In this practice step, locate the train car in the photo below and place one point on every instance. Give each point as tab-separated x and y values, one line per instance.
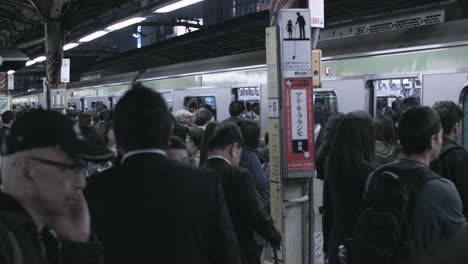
429	62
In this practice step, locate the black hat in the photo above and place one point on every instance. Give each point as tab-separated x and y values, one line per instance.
41	128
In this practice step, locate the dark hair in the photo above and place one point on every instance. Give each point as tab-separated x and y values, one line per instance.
202	117
236	108
192	106
256	110
354	144
384	129
225	134
416	127
196	134
207	107
141	120
204	148
327	138
450	114
8	116
381	104
409	102
250	133
84	120
176	143
331	126
179	130
92	136
248	106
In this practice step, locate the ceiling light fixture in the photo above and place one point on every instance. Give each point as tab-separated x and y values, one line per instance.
70	46
94	35
40	59
30	62
10	71
125	23
177	5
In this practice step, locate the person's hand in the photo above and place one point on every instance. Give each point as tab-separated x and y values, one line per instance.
75	226
275	239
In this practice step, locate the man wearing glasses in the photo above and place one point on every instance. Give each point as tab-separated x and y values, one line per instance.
44	217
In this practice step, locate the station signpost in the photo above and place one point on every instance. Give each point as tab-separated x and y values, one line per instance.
291	128
294	69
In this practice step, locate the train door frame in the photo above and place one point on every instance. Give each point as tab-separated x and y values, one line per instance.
372	93
464	94
352	88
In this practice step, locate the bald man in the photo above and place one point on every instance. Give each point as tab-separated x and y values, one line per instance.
44	217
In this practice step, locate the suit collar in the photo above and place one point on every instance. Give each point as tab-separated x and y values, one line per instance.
142	151
217	162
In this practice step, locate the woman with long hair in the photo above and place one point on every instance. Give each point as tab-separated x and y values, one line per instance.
350	161
328	135
250	160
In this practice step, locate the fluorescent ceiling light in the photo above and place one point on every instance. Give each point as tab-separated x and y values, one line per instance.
10	71
40	59
70	46
94	35
30	62
176	5
125	23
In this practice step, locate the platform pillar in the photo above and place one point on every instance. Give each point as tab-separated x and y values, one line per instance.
291	130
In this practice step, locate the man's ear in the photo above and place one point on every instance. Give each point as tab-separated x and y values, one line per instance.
231	150
457	129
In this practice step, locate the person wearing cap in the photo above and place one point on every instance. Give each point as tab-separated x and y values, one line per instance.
185	117
150	209
43	214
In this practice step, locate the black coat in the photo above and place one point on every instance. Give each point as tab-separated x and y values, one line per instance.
153	210
341	202
247	213
453	165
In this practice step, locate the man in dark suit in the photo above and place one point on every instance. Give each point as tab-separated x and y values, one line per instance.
149	209
247	213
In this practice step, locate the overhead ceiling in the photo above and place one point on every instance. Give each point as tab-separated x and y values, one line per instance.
21	24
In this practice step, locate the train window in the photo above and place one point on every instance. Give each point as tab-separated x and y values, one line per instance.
246	94
390	90
192	103
98	106
325	105
464	99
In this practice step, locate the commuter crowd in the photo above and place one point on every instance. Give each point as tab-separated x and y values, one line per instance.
139	184
136	184
399	192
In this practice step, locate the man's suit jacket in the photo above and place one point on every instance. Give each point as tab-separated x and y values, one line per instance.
153	210
247	213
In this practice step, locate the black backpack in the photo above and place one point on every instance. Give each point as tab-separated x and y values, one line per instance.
384	229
